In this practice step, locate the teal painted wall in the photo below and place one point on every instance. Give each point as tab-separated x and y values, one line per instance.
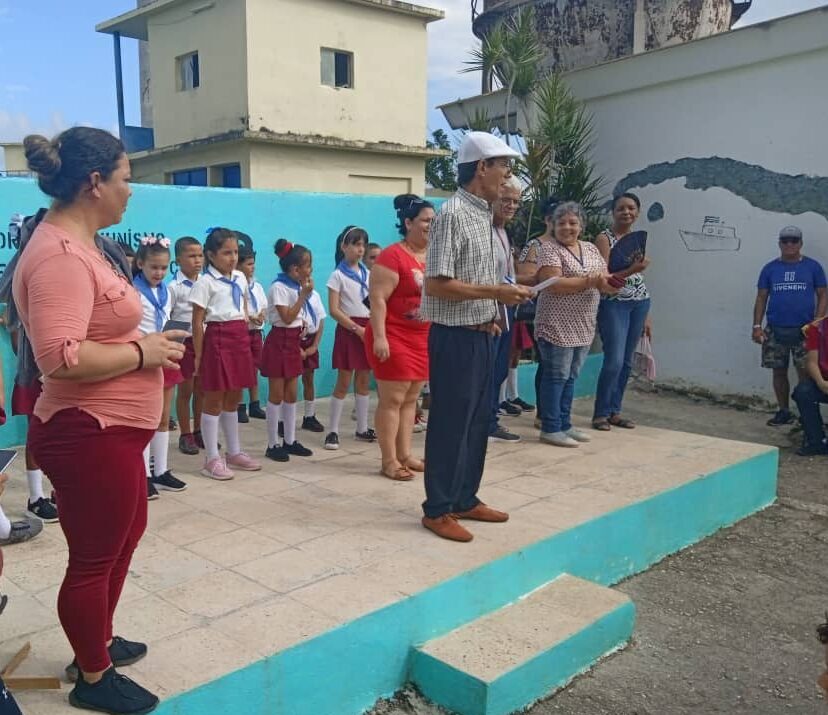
314	220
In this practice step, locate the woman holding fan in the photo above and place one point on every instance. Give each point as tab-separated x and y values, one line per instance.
622	319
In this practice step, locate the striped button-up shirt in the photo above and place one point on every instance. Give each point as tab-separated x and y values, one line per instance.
461	246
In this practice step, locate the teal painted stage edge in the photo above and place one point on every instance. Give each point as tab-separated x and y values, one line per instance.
344	671
313	220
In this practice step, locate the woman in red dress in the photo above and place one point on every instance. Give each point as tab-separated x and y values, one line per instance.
396	340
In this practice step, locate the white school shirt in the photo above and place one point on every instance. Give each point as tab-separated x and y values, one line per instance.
182	309
148	325
216	297
350	294
261	302
280	294
315	302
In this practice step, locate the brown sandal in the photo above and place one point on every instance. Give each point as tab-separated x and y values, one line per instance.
399	474
618	421
601	424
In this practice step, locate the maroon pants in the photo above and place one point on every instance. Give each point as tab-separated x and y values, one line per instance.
101	490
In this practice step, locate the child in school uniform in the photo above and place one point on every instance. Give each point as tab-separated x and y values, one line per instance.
282	355
347	292
257	305
222	353
314	316
151	263
189	255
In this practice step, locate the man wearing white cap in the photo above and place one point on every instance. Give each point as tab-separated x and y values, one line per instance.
462	298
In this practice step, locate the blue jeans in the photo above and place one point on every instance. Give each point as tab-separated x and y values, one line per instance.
808	398
503	350
560	369
620	325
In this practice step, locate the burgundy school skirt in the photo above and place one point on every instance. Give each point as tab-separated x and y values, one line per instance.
281	356
187	362
521	337
349	350
311	362
226	362
23	398
172	377
256	344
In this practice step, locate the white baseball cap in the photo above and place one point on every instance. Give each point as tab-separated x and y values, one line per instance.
477	146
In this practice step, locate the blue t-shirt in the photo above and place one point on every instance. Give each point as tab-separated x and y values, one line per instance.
791	290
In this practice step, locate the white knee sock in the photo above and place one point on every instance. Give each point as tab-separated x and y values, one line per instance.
230	426
289	421
362	412
337	406
146	461
274	416
310	408
502	394
5	525
512	384
35	479
160	449
209	433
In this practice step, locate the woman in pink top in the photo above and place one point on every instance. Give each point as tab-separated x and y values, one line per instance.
101	399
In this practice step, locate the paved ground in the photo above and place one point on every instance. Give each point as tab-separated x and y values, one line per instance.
726	626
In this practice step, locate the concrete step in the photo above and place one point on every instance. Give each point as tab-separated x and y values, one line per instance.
506	660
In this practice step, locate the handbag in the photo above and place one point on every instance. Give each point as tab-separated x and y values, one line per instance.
526	311
644	359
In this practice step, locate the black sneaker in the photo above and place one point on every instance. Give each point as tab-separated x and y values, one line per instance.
507	408
297	449
332	441
812	450
501	434
121	652
113	693
254	409
522	404
277	453
242	412
282	429
367	436
152	492
44	510
22	531
312	424
781	418
169	482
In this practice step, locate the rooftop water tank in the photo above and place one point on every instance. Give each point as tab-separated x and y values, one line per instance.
580	33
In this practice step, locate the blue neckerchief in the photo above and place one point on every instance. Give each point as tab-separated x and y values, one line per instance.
236	288
252	296
361	277
285	279
159	302
187	282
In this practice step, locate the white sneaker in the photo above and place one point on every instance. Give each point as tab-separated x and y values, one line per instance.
558	439
577	435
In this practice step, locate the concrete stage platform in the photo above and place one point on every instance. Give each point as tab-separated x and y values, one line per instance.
311	588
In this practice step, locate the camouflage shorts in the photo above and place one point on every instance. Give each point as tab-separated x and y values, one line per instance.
777	355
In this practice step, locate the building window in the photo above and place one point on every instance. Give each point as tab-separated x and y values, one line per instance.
231	176
190	177
337	68
188	72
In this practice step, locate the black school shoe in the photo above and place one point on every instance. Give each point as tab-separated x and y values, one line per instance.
312	424
297	450
152	492
242	412
169	482
44	510
113	693
277	453
254	409
367	436
122	653
522	405
781	418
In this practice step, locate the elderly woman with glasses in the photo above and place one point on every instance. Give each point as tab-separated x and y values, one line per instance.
565	319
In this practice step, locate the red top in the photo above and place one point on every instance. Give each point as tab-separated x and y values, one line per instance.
66	293
816	338
404	303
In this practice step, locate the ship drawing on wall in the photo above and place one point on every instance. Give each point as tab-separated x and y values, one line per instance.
715	235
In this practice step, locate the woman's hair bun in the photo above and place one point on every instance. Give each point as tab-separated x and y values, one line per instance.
42	156
403	200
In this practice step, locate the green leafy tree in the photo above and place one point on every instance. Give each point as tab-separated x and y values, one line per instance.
441	172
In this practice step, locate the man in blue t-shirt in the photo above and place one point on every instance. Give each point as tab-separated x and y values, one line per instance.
791	293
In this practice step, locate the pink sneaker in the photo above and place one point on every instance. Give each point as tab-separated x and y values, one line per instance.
244	462
216	468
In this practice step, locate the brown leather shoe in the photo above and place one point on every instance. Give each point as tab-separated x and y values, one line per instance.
446	527
484	513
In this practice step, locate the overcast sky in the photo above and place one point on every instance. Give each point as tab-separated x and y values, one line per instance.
56	71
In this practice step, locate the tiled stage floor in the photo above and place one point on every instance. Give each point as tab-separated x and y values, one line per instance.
229	573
